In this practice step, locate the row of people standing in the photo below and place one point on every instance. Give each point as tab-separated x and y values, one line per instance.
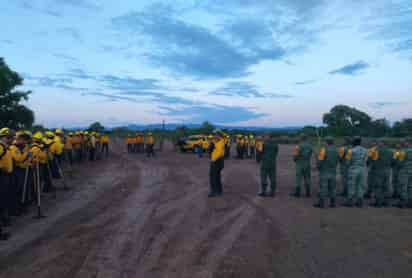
245	146
29	165
141	143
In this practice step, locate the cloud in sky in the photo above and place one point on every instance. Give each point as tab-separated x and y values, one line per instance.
244	89
220	114
206	54
351	69
193	50
384	104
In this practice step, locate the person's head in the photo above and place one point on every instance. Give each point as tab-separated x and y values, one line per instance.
357	141
329	140
7	135
37	137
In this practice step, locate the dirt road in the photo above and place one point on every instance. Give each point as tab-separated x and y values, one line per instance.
131	216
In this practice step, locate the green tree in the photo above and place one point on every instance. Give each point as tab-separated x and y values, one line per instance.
13	114
96	126
206	128
344	120
403	128
380	128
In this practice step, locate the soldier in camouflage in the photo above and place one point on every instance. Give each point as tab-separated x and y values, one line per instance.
327	163
302	157
356	159
405	175
382	158
268	166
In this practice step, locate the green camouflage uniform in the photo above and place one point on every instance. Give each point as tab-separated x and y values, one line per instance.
405	178
268	165
372	172
303	168
356	172
343	165
395	177
327	174
382	174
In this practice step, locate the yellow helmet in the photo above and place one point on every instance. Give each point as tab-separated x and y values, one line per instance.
4	131
19	133
71	133
49	134
85	132
38	136
58	131
28	133
150	133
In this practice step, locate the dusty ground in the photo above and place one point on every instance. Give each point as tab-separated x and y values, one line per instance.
136	217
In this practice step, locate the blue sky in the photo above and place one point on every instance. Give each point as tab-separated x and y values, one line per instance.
233	62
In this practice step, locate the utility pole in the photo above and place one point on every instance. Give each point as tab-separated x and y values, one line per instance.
162	136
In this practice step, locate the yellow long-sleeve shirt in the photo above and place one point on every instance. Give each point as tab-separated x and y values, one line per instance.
20	156
68	144
105	139
218	150
6	160
39	155
149	140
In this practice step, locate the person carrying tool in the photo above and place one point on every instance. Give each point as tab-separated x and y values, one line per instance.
6	170
21	159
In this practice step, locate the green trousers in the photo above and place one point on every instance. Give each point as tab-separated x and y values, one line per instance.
267	172
303	172
381	185
356	182
395	182
344	178
405	181
327	185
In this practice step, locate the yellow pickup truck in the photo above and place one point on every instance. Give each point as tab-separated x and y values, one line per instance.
191	142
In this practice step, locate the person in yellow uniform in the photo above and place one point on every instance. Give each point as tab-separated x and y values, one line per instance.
259	148
149	142
128	143
68	147
105	140
58	138
40	150
216	165
21	159
252	146
6	170
77	146
54	149
91	143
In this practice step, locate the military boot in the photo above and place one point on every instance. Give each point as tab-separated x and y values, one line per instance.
320	204
400	204
332	203
348	203
296	193
409	205
359	203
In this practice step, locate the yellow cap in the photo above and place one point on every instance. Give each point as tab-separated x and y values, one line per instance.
58	131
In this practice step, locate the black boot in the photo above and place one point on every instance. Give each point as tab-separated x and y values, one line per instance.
376	204
348	203
4	236
262	194
368	195
400	204
409	205
332	203
296	194
359	203
320	204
